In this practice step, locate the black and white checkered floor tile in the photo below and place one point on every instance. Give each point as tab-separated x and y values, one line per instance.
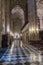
19	55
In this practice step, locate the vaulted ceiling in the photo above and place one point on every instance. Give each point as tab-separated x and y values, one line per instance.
22	3
17	8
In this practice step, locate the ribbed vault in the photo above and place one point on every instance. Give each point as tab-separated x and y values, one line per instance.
18	18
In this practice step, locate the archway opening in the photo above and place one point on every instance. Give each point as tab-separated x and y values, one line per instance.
18	18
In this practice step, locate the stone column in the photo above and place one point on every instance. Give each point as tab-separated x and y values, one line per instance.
41	23
32	18
7	18
11	25
3	17
11	21
0	21
7	13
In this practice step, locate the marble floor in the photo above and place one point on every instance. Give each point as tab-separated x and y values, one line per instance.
18	55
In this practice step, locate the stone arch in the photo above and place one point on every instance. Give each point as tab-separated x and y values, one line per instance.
19	12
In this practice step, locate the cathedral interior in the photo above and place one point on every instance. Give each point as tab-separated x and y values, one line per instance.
21	32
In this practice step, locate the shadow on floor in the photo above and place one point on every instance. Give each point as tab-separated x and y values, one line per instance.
27	63
19	64
1	62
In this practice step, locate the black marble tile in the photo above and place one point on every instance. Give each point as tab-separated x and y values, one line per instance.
17	56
